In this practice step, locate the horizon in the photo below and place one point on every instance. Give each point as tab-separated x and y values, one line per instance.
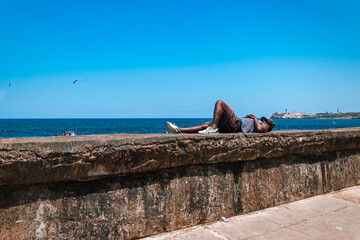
174	60
173	117
170	118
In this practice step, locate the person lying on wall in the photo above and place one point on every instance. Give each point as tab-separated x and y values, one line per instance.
226	121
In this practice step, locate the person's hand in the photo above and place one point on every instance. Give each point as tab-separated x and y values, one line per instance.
250	116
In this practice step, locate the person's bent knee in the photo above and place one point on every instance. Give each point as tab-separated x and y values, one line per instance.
220	102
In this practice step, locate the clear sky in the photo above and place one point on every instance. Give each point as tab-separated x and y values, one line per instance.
176	58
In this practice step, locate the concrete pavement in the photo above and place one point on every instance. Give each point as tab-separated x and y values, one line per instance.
330	216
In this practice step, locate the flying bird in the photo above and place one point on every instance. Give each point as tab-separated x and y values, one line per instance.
9	85
75	81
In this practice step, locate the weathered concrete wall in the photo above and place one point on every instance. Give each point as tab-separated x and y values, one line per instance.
129	186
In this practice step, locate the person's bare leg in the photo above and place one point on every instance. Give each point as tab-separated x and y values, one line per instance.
195	129
218	112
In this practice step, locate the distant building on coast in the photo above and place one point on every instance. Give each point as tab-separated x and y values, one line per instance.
292	114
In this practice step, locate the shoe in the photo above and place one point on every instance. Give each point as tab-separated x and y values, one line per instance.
172	127
209	130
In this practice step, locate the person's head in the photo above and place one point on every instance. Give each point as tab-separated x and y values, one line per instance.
268	122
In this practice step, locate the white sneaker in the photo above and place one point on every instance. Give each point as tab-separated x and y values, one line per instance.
209	130
172	127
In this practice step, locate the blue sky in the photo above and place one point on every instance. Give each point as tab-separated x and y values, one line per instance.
176	58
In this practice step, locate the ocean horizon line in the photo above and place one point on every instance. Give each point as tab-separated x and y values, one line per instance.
148	118
107	118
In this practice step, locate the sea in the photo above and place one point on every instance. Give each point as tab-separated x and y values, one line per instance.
24	128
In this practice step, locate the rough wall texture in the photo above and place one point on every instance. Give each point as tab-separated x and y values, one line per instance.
130	186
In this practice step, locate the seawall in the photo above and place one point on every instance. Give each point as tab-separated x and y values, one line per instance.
131	185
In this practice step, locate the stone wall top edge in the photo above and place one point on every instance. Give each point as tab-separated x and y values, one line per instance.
83	158
124	137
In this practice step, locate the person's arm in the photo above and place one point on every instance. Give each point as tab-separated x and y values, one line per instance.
258	127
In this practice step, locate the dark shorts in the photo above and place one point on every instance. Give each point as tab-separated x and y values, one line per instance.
229	122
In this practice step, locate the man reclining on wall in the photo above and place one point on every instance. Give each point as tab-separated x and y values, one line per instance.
226	121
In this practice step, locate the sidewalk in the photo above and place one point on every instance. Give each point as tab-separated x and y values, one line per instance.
331	216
